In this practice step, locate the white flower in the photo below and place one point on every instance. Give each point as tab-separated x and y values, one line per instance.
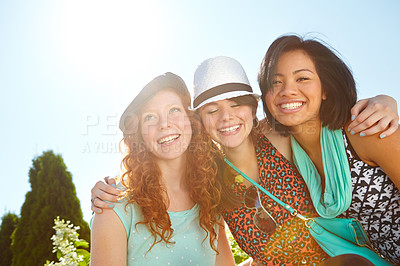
64	241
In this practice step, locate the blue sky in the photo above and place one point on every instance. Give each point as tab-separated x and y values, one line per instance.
69	68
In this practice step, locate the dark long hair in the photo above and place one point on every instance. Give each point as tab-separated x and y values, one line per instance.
337	81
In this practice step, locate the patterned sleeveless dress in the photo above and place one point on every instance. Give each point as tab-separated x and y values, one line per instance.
376	204
291	243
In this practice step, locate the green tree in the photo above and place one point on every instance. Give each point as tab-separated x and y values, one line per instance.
9	222
52	194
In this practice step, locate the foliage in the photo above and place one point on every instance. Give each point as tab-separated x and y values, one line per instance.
9	222
238	254
52	194
66	244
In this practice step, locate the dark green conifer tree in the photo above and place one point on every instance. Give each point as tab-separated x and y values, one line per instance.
52	194
9	222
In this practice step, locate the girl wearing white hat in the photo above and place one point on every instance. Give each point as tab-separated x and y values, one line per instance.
227	105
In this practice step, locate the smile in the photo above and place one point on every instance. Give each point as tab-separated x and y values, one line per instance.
290	106
229	129
168	139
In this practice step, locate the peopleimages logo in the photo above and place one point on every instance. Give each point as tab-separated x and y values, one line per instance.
101	124
100	134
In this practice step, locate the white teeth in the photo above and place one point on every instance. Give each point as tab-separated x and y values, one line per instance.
229	129
291	105
168	139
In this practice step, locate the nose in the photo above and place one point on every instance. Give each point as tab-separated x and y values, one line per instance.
288	88
164	122
226	114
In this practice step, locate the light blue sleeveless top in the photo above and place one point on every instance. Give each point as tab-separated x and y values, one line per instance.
188	237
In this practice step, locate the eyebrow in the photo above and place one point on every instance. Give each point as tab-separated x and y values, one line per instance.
209	105
303	69
295	72
144	114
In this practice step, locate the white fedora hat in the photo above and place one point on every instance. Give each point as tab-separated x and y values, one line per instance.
219	78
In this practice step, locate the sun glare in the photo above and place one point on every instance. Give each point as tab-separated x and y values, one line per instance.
110	39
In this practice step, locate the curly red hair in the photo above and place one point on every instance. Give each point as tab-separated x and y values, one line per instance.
149	193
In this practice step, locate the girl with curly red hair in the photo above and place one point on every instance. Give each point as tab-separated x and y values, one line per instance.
169	214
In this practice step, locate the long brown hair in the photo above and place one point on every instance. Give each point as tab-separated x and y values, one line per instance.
226	175
142	178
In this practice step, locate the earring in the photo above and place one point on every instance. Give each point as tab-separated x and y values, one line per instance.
256	123
267	125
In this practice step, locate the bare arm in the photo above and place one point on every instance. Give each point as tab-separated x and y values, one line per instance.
225	256
384	153
108	243
373	115
104	191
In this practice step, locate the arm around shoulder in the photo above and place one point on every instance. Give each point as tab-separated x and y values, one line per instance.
108	240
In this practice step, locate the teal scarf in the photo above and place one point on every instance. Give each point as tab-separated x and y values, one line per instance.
337	195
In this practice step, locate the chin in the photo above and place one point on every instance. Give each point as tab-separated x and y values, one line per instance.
290	121
173	153
169	156
230	144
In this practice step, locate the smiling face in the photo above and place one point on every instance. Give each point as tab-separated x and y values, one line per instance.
165	126
296	95
227	122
